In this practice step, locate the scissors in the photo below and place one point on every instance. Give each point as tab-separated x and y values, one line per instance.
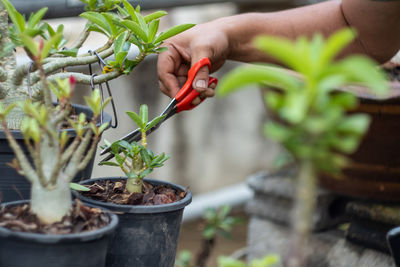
182	101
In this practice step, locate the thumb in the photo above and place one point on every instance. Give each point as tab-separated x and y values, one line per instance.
200	82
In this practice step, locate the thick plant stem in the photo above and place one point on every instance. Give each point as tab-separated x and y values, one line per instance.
303	214
51	203
134	185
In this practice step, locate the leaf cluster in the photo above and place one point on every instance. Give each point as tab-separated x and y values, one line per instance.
100	5
134	159
23	31
270	260
128	27
311	116
218	222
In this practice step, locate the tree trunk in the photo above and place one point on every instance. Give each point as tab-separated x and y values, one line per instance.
8	93
51	203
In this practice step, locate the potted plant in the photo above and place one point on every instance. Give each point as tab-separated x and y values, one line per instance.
74	234
48	229
311	119
150	211
123	29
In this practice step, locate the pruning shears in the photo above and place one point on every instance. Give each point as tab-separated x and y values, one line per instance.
182	101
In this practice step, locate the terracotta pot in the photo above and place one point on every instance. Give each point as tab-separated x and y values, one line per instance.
375	169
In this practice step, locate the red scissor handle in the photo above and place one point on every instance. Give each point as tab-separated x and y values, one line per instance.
187	94
186	103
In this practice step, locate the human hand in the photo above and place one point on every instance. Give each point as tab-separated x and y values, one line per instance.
184	50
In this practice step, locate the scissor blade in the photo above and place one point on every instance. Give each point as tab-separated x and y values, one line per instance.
127	138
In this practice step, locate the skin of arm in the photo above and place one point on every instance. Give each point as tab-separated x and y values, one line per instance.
376	23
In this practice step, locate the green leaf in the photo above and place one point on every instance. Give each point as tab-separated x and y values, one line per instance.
119	57
277	132
15	16
123	12
145	156
229	262
135	117
35	18
78	187
135	28
48	45
281	49
131	10
97	19
154	16
355	124
271	260
261	74
145	173
363	70
120	42
109	163
144	114
110	22
347	144
173	31
30	44
154	122
153	28
336	43
95	28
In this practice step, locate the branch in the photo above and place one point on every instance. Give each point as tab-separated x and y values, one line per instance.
89	153
59	63
80	78
72	168
82	38
67	154
24	163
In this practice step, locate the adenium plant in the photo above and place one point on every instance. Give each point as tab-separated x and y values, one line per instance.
26	92
312	121
134	159
122	24
54	161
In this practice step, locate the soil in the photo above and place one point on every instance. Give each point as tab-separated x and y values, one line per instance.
82	219
114	192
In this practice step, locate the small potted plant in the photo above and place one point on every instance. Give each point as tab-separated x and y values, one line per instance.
313	120
123	26
150	211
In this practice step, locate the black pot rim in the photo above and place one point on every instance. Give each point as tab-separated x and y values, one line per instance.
52	239
18	134
139	209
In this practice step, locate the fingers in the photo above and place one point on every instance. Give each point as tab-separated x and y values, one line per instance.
170	69
209	92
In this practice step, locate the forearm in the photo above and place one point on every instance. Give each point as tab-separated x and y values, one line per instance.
324	18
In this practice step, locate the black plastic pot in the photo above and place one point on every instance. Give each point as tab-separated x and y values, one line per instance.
14	186
87	249
393	239
147	236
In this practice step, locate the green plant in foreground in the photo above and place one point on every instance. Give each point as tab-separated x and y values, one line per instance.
312	120
136	161
270	260
216	223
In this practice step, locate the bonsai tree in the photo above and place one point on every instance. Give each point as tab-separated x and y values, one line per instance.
137	161
311	118
123	29
54	162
